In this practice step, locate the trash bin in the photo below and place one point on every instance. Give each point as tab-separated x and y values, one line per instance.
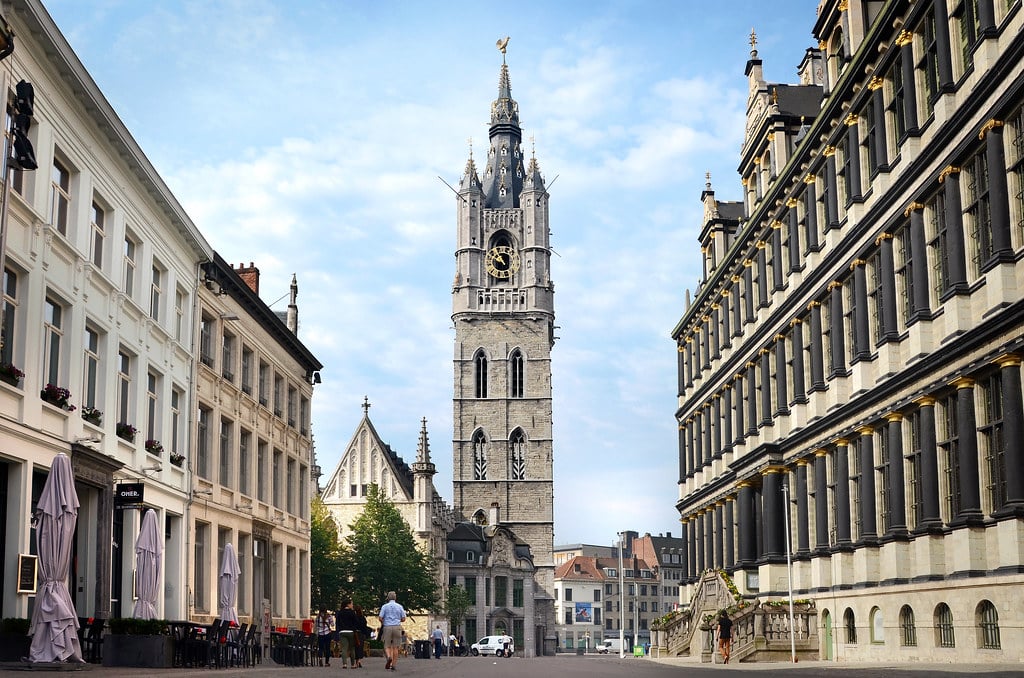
580	650
422	649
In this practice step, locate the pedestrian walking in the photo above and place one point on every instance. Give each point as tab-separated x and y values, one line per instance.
437	635
391	617
324	633
347	625
363	633
724	635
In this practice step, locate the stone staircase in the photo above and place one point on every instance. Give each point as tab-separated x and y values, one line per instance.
761	630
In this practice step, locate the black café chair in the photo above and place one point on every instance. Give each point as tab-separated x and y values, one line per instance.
92	642
234	645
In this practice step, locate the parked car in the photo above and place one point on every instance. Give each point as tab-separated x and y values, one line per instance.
492	645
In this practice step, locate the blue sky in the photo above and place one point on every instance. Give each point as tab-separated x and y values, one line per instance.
308	137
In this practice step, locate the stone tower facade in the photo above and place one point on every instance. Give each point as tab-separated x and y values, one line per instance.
503	312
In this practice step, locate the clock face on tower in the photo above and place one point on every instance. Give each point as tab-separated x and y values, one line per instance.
502	262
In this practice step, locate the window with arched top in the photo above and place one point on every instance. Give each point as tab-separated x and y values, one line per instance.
516	381
480	374
944	633
877	625
479	456
908	632
480	518
988	626
850	625
517	455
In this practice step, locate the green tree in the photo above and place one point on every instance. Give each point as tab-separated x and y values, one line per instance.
381	555
456	605
328	580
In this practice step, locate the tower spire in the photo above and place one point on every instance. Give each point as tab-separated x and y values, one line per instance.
503	177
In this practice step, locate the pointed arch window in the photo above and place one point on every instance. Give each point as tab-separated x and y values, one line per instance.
480	518
517	450
516	379
480	374
479	456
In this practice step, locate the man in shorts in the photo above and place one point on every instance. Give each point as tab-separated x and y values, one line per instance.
391	617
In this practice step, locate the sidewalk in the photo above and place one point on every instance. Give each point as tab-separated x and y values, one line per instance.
958	669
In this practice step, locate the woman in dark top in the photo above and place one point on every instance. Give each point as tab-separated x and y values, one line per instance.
724	635
362	634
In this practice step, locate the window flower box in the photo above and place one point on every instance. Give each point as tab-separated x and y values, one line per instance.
154	447
57	396
92	415
126	431
177	459
10	374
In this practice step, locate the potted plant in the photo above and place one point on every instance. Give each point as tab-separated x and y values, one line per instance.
14	639
57	396
145	643
177	459
92	415
11	374
126	431
154	447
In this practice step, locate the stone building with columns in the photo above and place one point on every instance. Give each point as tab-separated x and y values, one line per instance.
850	366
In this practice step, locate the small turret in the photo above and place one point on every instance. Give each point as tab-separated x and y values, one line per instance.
293	308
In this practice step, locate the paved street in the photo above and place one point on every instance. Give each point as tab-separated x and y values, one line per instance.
568	666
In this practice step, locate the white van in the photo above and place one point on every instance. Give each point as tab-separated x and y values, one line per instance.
609	645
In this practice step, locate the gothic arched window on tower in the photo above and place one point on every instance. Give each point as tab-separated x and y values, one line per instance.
515	377
480	376
517	449
479	456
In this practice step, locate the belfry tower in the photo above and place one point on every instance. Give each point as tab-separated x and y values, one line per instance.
503	312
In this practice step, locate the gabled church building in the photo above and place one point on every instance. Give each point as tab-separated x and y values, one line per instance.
368	460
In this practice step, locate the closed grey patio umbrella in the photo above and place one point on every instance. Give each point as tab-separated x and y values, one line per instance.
149	555
54	627
229	572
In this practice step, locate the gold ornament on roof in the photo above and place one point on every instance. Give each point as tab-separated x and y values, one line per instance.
502	44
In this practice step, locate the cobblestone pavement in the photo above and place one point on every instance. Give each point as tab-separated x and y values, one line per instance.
561	666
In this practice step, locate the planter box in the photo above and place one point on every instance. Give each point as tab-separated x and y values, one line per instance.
156	652
14	646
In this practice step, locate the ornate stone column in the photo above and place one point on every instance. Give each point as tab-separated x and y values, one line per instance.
748	539
1013	430
967	455
811	213
895	489
998	193
821	542
817	349
772	505
866	486
803	544
730	537
861	328
887	273
842	493
956	248
836	331
853	166
797	334
931	518
905	41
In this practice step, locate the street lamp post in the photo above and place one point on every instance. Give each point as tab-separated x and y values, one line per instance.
789	568
622	601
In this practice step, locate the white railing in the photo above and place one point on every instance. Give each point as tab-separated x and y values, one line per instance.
501	300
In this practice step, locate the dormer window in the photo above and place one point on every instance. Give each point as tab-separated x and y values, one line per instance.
451	555
470	557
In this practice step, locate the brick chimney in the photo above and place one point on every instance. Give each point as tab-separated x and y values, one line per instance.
250	275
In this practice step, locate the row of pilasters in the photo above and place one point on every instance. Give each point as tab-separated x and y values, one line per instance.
839	486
